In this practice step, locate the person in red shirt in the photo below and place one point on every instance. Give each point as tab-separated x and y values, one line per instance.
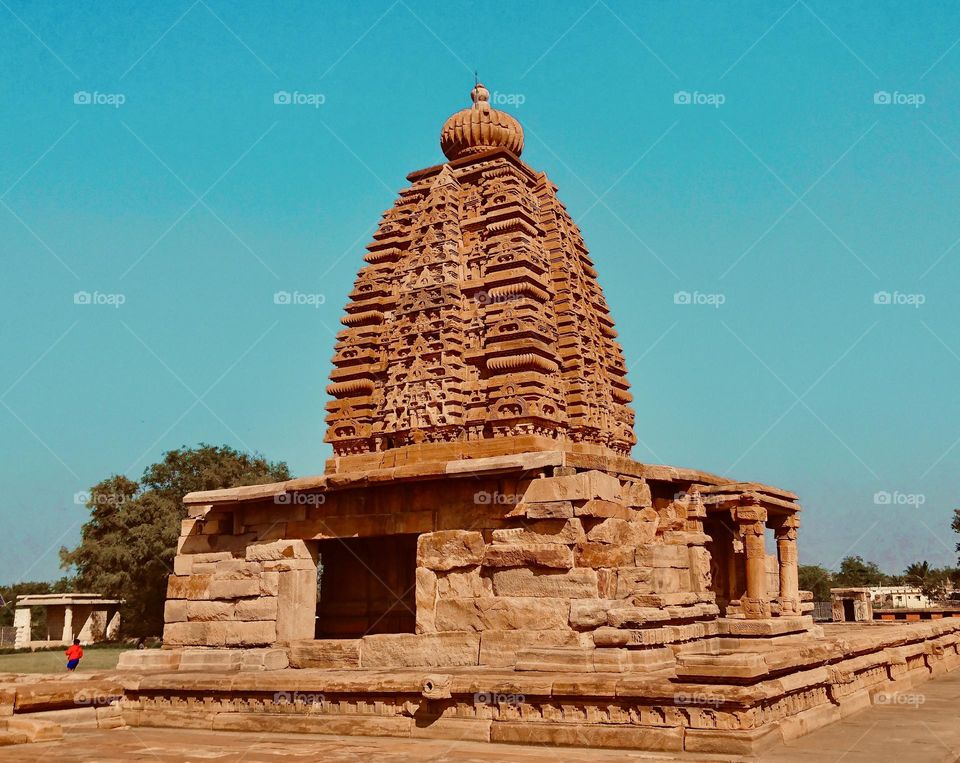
74	653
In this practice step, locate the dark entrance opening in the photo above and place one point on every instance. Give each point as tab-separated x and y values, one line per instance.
727	576
366	586
849	611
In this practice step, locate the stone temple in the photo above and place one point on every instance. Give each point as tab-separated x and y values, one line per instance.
481	558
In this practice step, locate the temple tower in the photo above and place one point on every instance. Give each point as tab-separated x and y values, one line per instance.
477	326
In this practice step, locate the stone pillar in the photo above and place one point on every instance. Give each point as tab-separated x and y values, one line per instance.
751	517
68	624
21	621
786	534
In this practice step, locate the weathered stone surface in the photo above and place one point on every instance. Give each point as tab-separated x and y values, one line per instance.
562	531
502	613
543	510
524	581
234	589
499	648
598	555
583	486
393	650
426	600
633	580
591	613
325	653
530	554
600	508
297	604
449	549
278	550
175	611
463	583
637	494
622	532
210	610
261	608
190	587
662	555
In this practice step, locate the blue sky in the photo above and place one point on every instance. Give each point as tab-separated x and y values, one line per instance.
780	163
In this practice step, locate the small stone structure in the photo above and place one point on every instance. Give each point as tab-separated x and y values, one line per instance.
481	558
852	605
86	616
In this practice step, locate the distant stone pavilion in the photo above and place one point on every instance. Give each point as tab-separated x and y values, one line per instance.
87	616
482	559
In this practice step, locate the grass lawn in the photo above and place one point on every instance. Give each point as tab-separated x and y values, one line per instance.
55	662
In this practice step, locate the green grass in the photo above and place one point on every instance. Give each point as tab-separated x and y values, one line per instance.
56	662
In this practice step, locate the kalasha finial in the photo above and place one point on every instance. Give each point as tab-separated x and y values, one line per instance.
480	128
479	94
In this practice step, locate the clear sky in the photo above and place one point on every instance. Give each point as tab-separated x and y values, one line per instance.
748	177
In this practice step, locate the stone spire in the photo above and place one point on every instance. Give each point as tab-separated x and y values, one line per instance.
477	326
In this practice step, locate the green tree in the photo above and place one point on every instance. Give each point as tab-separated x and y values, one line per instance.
127	545
856	573
816	579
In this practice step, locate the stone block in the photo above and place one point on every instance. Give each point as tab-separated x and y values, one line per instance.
206	611
183	564
404	650
185	634
449	549
662	555
297	604
590	613
543	510
500	613
599	555
622	532
193	587
669	579
264	659
584	735
278	550
234	589
269	583
211	659
500	648
313	723
637	494
426	600
149	659
175	611
261	608
577	583
260	633
634	580
562	531
535	554
237	569
459	729
463	583
583	486
600	508
325	653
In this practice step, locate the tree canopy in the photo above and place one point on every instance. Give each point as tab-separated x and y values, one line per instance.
127	545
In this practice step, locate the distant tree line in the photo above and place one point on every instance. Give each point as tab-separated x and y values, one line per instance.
854	572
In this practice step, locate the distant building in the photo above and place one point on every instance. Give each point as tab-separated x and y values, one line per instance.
86	616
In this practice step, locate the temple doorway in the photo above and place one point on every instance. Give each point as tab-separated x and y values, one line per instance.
366	586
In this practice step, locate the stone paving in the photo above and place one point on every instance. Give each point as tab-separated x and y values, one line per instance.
923	727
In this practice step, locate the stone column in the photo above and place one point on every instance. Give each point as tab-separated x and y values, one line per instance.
21	621
786	534
68	624
750	517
